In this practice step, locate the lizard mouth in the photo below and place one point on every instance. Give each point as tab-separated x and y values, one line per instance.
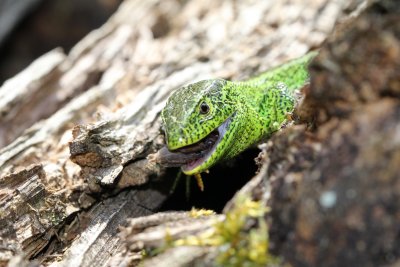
191	156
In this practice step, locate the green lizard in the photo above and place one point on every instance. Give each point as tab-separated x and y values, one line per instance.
213	120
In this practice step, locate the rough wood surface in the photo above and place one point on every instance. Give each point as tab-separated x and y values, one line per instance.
77	129
335	196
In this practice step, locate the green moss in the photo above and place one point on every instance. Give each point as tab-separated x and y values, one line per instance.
242	237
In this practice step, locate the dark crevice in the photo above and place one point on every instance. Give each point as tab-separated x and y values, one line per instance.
220	185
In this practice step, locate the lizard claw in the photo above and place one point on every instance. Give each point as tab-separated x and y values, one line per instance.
199	181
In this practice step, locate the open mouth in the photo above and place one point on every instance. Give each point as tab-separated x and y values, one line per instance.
194	155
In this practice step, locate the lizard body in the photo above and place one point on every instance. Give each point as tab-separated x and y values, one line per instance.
212	120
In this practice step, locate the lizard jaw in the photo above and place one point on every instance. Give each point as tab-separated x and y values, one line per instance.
195	166
197	157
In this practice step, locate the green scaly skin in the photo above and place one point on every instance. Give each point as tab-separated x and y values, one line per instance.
251	110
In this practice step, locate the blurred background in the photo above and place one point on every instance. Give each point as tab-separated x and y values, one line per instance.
30	28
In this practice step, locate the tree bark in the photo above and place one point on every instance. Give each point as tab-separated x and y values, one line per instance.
70	181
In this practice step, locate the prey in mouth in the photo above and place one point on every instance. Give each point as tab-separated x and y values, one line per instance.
190	158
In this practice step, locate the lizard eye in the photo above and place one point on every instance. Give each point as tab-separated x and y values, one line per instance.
204	108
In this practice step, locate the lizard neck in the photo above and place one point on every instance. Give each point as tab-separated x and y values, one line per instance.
293	75
271	95
263	103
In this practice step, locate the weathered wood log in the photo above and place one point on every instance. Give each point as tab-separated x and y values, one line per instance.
60	214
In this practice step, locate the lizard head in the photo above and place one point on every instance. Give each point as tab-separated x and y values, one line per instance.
196	119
